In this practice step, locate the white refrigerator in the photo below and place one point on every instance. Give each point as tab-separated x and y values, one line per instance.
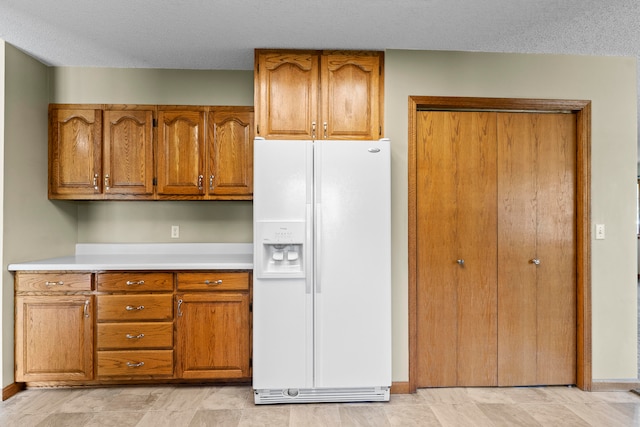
322	271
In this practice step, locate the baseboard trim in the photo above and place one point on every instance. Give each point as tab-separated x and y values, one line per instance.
615	385
12	390
400	388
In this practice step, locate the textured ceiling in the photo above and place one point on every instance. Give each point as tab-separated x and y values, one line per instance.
215	34
222	34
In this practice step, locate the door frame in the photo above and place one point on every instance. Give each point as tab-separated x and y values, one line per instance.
582	109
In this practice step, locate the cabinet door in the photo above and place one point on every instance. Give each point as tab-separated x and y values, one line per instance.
213	335
181	152
286	94
230	153
54	338
75	156
351	95
128	152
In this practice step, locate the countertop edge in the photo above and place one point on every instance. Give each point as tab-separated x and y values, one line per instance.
206	257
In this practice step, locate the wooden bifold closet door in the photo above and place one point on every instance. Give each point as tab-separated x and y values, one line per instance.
496	302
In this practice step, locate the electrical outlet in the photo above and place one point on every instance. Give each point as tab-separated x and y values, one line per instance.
599	231
175	231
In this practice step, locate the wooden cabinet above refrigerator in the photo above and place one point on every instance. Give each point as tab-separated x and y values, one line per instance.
312	94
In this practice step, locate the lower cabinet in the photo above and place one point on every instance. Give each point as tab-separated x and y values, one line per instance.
53	329
134	337
146	326
213	335
213	325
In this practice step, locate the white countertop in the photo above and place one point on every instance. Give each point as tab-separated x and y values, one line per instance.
148	256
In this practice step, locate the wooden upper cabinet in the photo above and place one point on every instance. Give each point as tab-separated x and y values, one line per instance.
351	95
148	152
319	94
75	156
230	152
181	151
128	151
205	153
286	94
100	152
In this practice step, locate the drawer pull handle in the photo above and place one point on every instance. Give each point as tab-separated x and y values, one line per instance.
135	282
214	282
131	336
131	308
59	283
135	365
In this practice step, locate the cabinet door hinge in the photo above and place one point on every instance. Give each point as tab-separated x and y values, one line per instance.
379	70
380	130
251	362
250	307
257	129
155	123
154	181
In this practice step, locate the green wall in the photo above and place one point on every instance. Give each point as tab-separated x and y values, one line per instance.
33	227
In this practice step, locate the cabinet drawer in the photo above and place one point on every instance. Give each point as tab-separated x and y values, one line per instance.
134	282
135	307
53	282
133	363
213	281
134	335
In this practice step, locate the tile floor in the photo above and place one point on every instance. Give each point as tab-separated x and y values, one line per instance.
159	406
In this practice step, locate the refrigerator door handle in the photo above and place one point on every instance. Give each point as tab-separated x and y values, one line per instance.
318	248
309	250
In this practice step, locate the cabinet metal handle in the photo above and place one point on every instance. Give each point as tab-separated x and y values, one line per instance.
135	282
131	308
179	308
86	308
59	283
95	182
131	337
135	364
313	130
200	182
215	282
106	182
324	125
460	261
536	261
210	182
